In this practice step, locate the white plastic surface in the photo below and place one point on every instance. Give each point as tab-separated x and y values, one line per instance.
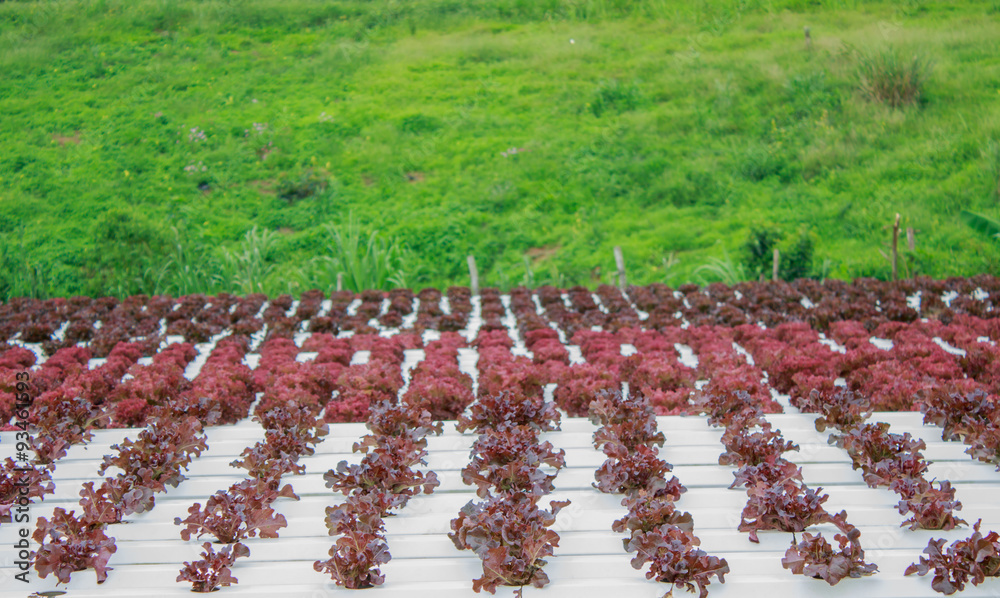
590	560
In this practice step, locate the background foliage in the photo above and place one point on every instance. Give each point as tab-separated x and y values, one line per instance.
174	146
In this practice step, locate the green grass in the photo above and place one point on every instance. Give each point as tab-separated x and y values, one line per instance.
144	140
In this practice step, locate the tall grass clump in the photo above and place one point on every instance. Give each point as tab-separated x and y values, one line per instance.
187	268
888	77
615	96
724	270
246	269
365	261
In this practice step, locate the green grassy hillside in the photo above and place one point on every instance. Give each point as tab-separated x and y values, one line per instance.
143	140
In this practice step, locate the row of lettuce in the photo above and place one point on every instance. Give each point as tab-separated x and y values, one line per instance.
102	323
295	399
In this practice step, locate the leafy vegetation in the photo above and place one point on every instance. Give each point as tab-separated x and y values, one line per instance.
145	140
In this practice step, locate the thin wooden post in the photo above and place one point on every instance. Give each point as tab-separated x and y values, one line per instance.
776	265
620	263
895	249
809	40
911	241
473	274
340	281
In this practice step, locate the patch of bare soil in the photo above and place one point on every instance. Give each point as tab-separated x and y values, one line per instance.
62	140
540	254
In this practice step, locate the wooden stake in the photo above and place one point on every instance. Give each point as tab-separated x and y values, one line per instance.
620	263
775	266
473	274
895	249
809	40
911	241
340	281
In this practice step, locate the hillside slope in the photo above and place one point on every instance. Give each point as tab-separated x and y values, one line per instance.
144	139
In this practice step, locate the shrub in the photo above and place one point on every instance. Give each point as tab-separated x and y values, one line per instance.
796	256
759	250
796	261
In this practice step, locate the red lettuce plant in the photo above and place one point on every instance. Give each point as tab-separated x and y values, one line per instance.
649	511
512	537
361	547
624	423
753	448
580	384
63	423
882	455
71	543
386	473
115	499
510	459
774	470
242	511
816	558
626	472
973	559
929	507
403	419
446	397
492	411
842	410
212	571
675	558
159	453
27	483
789	507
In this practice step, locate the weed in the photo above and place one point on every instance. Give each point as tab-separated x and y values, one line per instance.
247	268
760	161
670	273
889	77
419	123
982	224
366	261
615	96
722	269
19	276
306	184
187	268
812	94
